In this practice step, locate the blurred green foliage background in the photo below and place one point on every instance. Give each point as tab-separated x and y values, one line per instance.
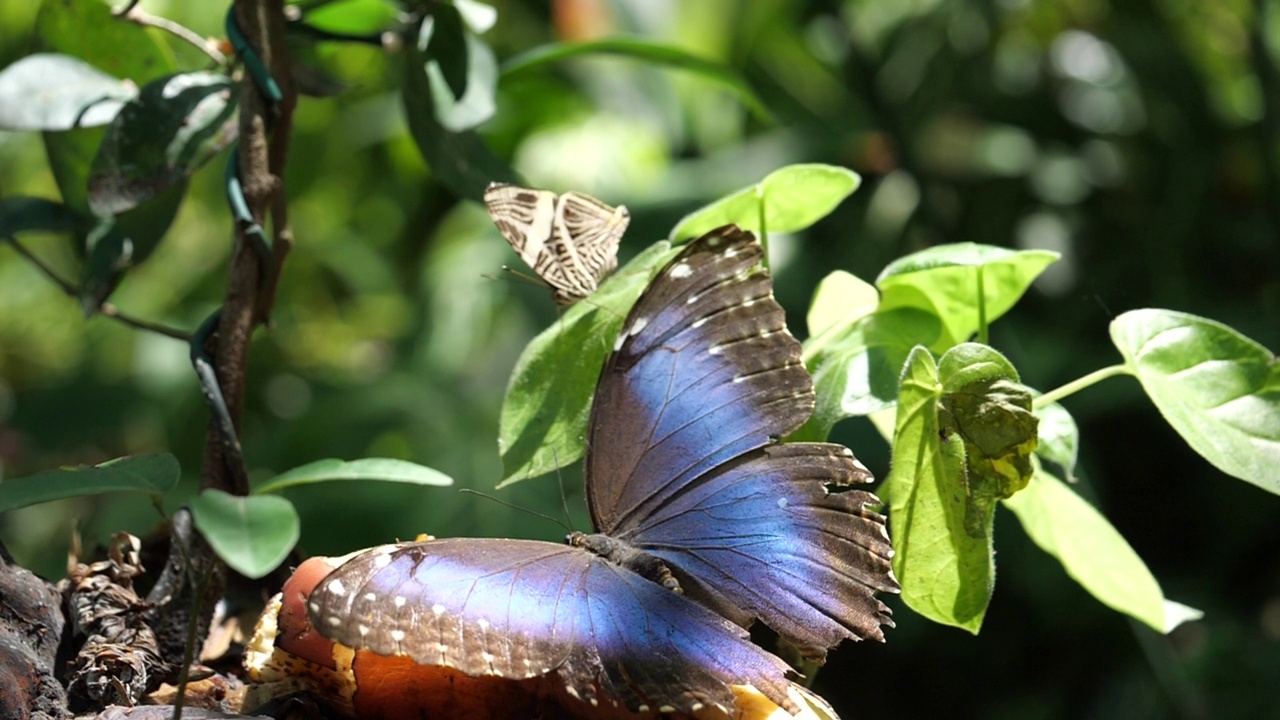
1138	138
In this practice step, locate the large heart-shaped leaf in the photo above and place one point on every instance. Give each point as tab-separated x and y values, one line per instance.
252	534
789	199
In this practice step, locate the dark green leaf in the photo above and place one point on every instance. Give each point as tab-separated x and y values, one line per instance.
789	199
548	402
155	474
87	30
945	281
253	534
1217	388
49	91
174	126
1093	553
381	469
649	51
118	243
25	214
461	161
947	574
443	41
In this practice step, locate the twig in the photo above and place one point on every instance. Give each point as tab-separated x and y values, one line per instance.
146	19
106	309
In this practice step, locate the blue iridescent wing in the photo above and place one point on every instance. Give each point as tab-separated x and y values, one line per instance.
682	460
522	608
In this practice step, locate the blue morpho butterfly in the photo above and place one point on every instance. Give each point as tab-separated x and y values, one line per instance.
705	523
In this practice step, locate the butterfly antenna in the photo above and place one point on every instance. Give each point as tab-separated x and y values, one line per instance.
564	497
513	506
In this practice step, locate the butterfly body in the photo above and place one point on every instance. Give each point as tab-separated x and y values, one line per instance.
570	240
704	523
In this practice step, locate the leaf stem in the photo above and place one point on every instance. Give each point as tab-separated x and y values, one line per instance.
1080	383
106	309
983	334
764	226
146	19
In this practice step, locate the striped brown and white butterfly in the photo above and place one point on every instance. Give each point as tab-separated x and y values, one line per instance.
570	240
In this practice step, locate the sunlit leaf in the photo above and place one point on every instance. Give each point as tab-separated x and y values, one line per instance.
20	214
155	474
252	534
354	17
1217	388
840	299
477	15
1059	437
947	575
1093	552
174	126
49	91
789	199
371	469
649	51
945	281
548	401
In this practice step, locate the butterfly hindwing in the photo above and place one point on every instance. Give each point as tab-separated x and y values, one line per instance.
570	240
522	608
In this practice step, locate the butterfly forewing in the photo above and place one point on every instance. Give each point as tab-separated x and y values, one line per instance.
681	460
570	241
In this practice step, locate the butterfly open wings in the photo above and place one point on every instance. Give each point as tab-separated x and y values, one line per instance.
683	468
570	240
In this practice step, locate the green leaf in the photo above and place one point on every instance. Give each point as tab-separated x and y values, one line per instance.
857	372
461	161
947	575
174	126
353	17
20	214
651	52
958	282
382	469
789	199
118	243
252	534
155	474
481	82
985	406
86	29
1217	388
1093	553
548	401
50	91
1059	437
443	41
841	299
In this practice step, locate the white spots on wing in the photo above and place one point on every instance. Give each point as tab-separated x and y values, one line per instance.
637	326
713	241
643	708
362	629
666	709
397	635
698	323
740	378
528	662
594	702
715	350
696	707
400	601
337	588
315	606
692	299
442	648
382	559
488	657
617	344
681	270
371	597
732	252
782	503
438	609
484	624
573	692
333	620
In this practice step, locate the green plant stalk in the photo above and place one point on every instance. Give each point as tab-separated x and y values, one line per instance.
983	334
1079	384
